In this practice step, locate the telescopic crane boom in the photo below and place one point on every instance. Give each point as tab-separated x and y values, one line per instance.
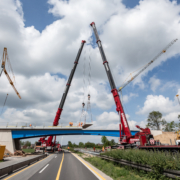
156	57
119	107
59	111
5	57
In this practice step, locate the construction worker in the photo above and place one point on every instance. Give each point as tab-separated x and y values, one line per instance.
103	148
68	148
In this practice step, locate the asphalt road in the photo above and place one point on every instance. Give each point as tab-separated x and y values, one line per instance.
63	166
71	168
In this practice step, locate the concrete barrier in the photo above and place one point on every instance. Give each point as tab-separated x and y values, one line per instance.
9	169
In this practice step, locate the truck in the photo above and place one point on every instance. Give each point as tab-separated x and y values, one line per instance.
41	146
143	139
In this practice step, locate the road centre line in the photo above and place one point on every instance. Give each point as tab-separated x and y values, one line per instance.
59	171
25	168
44	168
91	169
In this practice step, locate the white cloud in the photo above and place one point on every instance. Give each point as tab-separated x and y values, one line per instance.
126	98
167	107
155	83
130	37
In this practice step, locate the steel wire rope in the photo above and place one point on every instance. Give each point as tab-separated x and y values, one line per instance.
88	107
10	70
84	83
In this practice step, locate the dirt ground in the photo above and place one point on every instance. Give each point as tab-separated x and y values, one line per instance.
165	137
7	153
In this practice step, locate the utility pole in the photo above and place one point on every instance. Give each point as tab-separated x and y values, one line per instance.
178	98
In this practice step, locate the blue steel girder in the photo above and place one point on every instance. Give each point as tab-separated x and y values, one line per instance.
22	134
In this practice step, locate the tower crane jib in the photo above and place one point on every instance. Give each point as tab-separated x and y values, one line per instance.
4	59
146	66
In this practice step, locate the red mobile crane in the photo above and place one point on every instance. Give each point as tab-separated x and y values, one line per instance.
126	138
49	144
143	139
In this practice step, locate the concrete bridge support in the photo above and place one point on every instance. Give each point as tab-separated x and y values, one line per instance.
7	140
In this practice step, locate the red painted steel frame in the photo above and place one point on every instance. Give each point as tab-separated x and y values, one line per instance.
57	117
120	111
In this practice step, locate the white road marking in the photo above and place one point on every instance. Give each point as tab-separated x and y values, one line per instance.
55	157
44	168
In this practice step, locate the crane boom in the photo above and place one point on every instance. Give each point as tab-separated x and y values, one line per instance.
119	107
156	57
58	113
10	81
5	57
57	117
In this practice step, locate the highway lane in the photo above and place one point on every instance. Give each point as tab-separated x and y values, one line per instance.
61	166
71	168
49	172
27	172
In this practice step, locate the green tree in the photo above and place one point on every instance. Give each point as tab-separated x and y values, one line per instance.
89	145
112	142
169	127
75	145
27	143
22	143
179	122
155	120
70	144
81	144
104	139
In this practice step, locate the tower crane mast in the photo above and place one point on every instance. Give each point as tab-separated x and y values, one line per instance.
146	66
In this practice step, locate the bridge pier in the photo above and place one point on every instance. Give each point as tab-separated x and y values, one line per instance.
7	140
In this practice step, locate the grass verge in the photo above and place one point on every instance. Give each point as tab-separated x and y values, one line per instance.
28	150
115	171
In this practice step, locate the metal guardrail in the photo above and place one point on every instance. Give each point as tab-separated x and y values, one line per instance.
88	152
169	173
15	166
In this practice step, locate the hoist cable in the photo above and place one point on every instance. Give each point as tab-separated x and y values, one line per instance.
4	103
84	84
88	107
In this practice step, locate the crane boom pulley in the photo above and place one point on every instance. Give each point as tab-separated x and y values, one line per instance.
146	66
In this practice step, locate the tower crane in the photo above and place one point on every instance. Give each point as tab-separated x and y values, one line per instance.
147	65
4	59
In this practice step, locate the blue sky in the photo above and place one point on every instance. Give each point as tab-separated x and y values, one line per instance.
132	35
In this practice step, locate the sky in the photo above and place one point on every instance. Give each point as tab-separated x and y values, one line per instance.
42	40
